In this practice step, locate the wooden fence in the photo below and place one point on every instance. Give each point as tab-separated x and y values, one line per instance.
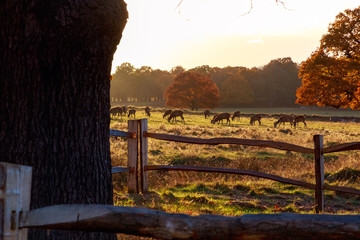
16	218
138	167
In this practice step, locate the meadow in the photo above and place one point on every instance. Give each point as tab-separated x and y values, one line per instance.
231	195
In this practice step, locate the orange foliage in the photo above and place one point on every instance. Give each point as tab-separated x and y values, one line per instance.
192	90
331	75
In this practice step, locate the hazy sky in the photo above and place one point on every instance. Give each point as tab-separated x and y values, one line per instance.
162	35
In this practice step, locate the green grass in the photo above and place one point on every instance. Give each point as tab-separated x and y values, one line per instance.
228	194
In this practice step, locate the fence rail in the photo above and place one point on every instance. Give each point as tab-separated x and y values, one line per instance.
237	141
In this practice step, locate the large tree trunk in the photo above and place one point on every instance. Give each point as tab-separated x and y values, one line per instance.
55	63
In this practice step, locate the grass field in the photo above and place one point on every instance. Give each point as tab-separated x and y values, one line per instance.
226	194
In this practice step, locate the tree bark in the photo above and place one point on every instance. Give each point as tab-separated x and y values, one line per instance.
55	63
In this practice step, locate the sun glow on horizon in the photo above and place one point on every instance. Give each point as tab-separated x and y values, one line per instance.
162	35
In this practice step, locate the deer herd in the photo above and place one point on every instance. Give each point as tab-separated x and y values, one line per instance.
171	116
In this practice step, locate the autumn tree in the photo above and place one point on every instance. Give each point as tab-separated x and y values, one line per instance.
192	90
54	92
140	84
236	90
278	82
330	76
120	86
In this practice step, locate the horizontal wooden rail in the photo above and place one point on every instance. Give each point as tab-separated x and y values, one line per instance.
119	170
238	141
342	147
231	171
342	189
118	133
159	224
251	173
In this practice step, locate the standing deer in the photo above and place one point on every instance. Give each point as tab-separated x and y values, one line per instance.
116	111
132	112
176	113
147	111
167	112
220	117
255	118
283	120
236	114
299	119
206	113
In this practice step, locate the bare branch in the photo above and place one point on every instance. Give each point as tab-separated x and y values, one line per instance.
251	7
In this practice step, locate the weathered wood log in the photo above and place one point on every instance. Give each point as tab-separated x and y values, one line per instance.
158	224
239	141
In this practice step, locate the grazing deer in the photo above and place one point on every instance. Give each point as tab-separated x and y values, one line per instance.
283	120
124	110
147	111
220	117
236	114
167	112
132	112
116	111
176	113
206	113
255	118
299	119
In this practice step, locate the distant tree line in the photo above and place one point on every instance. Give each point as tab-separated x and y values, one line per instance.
272	85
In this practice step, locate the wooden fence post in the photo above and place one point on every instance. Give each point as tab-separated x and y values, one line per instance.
319	173
15	194
132	164
143	156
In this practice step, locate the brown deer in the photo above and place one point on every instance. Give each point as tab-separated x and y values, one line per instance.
124	110
147	111
206	113
299	119
236	114
220	117
255	118
116	111
132	112
283	120
167	112
176	113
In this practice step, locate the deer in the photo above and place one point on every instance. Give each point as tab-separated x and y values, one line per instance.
147	111
124	110
255	118
206	113
220	117
176	113
116	111
167	112
236	114
132	112
299	119
283	120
